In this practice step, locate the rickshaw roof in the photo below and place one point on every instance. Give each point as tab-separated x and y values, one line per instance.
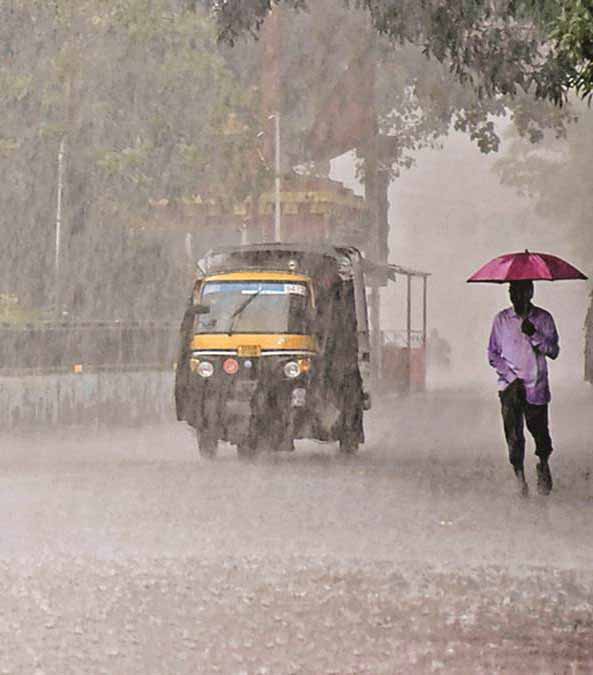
307	259
312	259
284	248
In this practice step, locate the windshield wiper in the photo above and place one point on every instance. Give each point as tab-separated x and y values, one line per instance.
239	311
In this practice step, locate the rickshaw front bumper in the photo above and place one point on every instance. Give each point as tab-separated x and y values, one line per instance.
231	402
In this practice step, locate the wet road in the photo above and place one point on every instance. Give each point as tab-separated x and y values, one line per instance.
122	552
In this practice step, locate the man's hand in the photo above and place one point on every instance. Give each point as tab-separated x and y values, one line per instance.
514	392
527	327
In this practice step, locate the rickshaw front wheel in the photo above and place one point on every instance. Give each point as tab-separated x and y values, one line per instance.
348	446
246	449
207	444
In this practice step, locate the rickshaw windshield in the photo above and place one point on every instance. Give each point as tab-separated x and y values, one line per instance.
254	307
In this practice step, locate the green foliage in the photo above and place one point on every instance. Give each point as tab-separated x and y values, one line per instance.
140	93
152	103
8	146
556	175
127	163
573	36
499	48
416	99
14	87
12	311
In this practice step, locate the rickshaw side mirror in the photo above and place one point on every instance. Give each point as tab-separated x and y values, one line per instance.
198	309
190	313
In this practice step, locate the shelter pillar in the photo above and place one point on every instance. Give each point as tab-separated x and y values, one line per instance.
377	182
409	330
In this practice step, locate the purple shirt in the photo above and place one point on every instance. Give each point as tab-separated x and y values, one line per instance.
515	355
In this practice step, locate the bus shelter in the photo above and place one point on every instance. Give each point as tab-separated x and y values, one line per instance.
403	352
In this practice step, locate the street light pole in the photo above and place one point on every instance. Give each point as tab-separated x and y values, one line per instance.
277	222
61	153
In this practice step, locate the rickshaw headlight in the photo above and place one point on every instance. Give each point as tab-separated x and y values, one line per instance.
205	369
292	369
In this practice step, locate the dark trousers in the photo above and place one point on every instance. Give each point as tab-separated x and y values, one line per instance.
516	410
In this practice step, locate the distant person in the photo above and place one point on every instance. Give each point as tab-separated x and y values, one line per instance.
439	350
522	337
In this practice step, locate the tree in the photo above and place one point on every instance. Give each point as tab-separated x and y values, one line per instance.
488	62
572	35
496	47
144	98
556	175
153	105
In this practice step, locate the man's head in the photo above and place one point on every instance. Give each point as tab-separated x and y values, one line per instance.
521	293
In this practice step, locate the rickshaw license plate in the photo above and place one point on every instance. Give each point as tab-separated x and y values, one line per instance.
249	351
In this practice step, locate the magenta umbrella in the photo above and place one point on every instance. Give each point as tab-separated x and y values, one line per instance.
525	266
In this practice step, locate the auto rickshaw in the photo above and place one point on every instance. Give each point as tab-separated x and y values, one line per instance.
274	347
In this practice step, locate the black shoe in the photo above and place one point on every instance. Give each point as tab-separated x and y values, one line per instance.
544	478
522	483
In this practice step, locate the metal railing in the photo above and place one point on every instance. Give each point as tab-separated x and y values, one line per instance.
399	338
79	346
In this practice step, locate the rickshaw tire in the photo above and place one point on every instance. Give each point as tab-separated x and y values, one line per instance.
348	446
207	444
245	450
286	444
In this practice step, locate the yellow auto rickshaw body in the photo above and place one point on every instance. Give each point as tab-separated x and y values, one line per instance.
273	348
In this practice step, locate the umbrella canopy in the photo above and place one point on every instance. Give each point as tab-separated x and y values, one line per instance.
525	266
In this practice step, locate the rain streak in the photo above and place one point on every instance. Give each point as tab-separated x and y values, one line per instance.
253	418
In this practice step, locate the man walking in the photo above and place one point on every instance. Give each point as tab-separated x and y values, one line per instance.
522	337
